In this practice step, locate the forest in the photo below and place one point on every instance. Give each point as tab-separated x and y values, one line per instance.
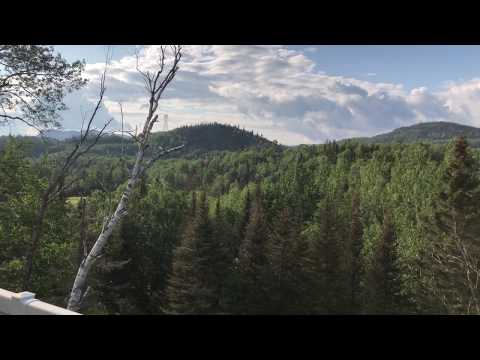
346	228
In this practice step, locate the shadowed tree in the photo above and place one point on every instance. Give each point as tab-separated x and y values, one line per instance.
356	241
385	274
288	256
253	262
454	254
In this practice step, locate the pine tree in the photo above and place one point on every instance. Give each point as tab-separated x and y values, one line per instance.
233	291
189	288
183	285
356	242
287	253
253	262
454	252
332	260
247	210
198	263
329	289
385	274
221	257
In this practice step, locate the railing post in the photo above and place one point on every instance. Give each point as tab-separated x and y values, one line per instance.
25	303
22	299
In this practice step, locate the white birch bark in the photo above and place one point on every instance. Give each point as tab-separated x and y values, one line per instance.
155	89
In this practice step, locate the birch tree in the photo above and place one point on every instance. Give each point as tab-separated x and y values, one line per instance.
155	83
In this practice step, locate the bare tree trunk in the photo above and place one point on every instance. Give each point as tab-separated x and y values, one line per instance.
155	89
80	280
82	244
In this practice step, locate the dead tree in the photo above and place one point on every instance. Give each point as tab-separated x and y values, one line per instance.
63	178
155	88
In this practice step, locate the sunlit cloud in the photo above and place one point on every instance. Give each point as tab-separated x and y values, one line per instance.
276	91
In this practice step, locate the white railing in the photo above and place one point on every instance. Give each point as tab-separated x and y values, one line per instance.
24	303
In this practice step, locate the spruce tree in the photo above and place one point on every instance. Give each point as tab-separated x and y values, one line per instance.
233	291
183	285
329	290
253	262
221	257
193	286
246	213
453	259
356	243
287	253
385	274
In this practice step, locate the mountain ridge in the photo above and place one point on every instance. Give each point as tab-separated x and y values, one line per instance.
433	132
198	139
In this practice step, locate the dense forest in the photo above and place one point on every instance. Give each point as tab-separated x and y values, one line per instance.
235	224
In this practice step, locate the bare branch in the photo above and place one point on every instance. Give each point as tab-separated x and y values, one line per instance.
161	153
57	181
22	120
155	91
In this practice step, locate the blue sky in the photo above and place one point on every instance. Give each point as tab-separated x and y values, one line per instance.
412	65
293	94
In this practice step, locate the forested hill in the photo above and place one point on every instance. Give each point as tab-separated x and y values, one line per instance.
432	132
198	139
210	137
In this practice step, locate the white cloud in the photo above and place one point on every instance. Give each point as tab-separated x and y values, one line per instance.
280	93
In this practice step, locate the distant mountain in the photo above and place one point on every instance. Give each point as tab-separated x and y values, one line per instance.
61	134
210	137
433	132
197	139
64	134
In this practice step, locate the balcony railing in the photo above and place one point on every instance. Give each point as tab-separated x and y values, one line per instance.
24	303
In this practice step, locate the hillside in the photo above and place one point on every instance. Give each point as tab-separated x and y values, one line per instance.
433	132
61	134
198	139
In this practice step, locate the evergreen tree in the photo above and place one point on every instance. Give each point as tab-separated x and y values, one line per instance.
334	275
287	253
246	213
454	255
218	255
356	242
198	265
329	289
385	275
253	262
183	285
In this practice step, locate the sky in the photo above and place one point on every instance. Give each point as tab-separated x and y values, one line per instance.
292	94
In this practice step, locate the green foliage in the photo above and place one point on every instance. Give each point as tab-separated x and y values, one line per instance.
454	248
20	188
33	83
325	229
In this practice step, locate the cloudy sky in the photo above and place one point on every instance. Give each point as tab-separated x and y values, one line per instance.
293	94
